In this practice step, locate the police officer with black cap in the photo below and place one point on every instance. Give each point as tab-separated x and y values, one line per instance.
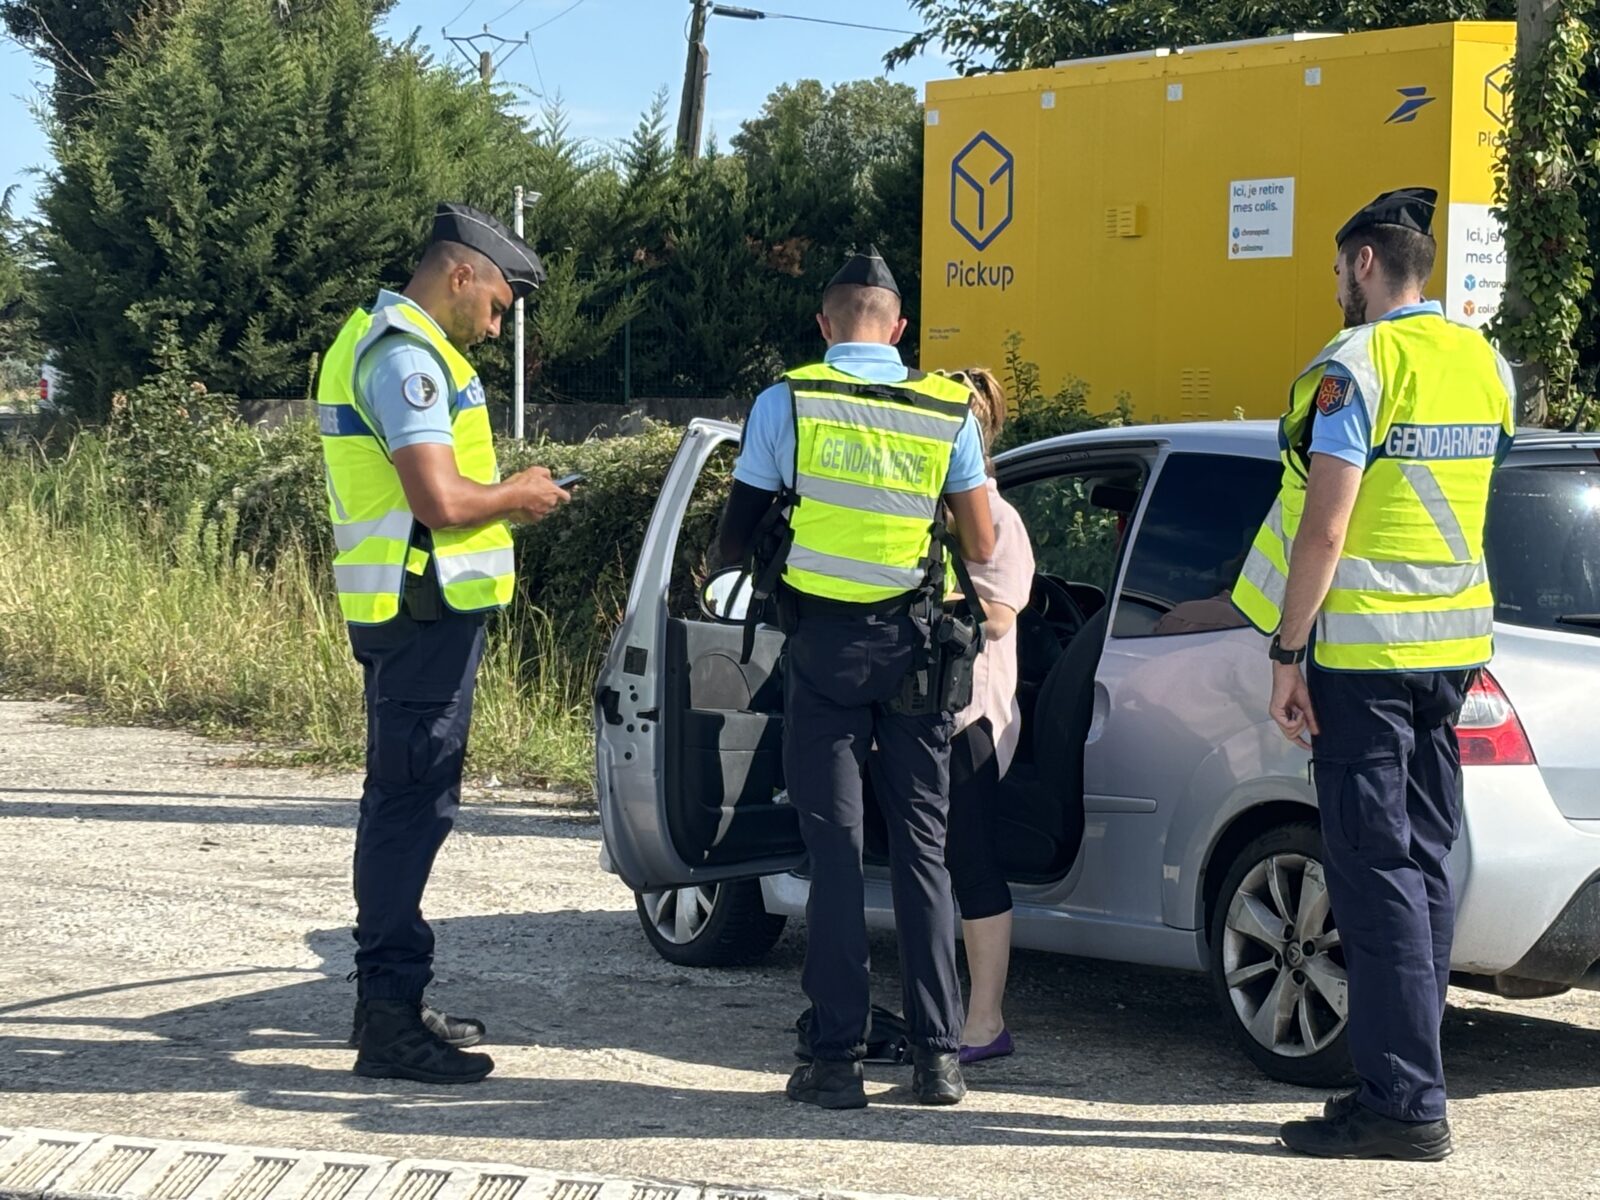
1370	573
844	477
420	522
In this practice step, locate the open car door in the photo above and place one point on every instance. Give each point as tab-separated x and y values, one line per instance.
688	740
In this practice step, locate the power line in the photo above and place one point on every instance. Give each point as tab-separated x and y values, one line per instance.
755	14
469	7
541	24
559	15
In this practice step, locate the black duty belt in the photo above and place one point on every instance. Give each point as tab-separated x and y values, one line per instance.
820	607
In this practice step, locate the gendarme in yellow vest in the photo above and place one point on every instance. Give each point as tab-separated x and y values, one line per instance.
1411	590
870	466
372	523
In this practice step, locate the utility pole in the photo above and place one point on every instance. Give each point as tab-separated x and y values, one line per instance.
692	111
486	62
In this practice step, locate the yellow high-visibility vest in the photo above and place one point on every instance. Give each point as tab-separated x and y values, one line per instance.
1411	589
870	466
372	523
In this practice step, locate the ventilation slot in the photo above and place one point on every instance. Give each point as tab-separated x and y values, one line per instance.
1194	393
1125	221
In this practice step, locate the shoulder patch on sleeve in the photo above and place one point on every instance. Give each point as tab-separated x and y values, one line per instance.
420	390
1333	393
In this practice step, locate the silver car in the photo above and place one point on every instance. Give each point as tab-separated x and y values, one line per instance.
1154	814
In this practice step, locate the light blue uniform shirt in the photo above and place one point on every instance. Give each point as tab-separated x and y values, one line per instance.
1346	433
766	454
381	376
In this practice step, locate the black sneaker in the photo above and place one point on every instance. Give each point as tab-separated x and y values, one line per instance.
395	1044
1366	1134
828	1084
936	1077
459	1032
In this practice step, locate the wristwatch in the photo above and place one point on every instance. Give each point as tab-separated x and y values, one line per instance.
1289	658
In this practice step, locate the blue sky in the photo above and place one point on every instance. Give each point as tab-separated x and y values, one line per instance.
604	58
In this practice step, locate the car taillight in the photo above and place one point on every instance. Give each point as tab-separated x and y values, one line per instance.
1489	731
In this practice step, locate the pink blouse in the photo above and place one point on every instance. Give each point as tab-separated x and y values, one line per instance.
1007	579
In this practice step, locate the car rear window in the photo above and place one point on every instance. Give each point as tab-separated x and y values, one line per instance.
1543	543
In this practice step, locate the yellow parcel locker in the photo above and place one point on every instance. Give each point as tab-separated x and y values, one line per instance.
1161	224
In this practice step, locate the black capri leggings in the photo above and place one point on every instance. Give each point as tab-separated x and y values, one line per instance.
969	849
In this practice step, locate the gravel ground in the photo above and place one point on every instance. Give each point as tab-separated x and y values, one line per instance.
176	934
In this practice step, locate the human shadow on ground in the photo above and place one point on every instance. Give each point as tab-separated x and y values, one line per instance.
564	991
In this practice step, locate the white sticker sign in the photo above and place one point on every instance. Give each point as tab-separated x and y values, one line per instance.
1475	267
1261	218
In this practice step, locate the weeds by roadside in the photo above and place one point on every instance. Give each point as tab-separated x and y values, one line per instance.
154	618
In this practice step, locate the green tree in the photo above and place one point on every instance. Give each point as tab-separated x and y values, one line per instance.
827	172
252	177
982	35
20	349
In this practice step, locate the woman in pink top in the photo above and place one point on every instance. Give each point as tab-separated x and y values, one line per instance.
986	737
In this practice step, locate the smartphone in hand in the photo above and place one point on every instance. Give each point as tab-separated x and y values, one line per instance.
567	482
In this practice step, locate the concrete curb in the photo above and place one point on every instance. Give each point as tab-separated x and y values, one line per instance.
51	1164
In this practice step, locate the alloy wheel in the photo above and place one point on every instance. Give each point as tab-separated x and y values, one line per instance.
679	915
1283	959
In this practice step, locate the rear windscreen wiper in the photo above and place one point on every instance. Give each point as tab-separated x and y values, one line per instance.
1587	620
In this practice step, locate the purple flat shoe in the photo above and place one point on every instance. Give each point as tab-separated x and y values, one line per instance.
1001	1047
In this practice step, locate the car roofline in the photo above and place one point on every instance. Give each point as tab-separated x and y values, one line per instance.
1247	439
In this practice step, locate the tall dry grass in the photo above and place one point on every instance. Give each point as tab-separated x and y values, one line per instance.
152	618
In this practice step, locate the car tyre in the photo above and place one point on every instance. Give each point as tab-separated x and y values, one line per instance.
1285	998
711	925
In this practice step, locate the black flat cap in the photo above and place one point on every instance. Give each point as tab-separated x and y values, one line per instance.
866	270
479	231
1409	208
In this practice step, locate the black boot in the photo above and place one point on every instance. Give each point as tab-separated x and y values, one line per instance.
1340	1105
395	1044
459	1032
1362	1133
828	1084
936	1076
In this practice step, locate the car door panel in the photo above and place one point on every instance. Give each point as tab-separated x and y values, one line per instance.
687	745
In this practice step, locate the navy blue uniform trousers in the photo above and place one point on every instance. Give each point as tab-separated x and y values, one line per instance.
420	677
1388	777
841	674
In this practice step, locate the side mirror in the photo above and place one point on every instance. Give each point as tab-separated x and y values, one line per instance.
726	596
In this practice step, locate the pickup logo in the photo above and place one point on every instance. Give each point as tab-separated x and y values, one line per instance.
983	179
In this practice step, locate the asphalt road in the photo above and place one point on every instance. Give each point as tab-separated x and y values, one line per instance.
174	934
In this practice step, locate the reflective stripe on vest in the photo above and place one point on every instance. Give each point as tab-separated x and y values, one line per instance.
372	523
870	467
1411	589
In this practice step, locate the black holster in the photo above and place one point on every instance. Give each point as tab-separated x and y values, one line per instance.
940	679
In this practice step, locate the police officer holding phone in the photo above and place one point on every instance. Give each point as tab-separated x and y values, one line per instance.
420	521
840	484
1370	573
